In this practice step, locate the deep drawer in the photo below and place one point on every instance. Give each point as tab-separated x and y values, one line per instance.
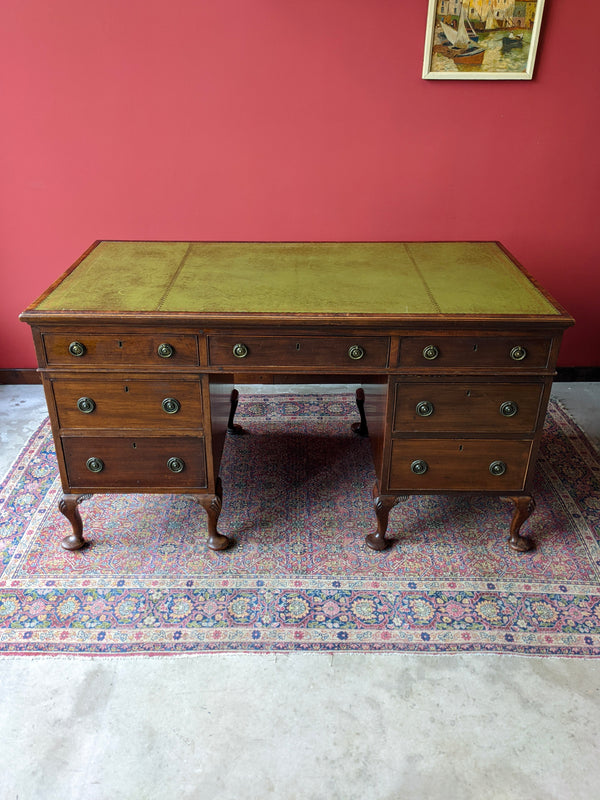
162	350
354	352
111	462
430	465
472	352
512	408
128	403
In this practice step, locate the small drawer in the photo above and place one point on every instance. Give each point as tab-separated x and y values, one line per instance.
465	465
473	352
122	402
511	408
126	462
244	352
162	350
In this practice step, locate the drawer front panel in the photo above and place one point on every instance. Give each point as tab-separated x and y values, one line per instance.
96	462
511	408
430	465
162	350
126	403
245	352
472	352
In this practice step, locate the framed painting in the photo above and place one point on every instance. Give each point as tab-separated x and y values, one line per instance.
482	39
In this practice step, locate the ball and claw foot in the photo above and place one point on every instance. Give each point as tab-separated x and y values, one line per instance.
524	508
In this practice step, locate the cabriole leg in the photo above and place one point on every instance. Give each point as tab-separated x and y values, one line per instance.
360	428
68	506
232	428
383	505
212	504
524	508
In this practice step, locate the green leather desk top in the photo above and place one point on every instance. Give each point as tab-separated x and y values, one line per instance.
304	278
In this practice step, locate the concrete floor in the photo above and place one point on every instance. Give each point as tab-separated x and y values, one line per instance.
297	726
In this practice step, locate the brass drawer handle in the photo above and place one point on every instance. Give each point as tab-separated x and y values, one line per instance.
165	350
176	464
497	468
509	409
419	467
95	464
77	349
430	352
170	405
240	350
425	408
518	353
356	352
86	405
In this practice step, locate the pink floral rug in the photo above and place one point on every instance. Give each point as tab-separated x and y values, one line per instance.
297	499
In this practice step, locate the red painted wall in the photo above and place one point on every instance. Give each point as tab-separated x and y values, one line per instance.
285	120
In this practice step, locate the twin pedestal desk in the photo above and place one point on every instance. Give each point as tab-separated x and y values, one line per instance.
453	346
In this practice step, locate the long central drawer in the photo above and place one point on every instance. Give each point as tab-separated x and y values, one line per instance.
242	352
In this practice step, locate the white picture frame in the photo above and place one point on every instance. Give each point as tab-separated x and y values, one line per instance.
482	39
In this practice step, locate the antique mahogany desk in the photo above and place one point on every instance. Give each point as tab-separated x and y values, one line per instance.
139	345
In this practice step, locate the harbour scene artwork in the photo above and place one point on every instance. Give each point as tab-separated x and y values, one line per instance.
482	38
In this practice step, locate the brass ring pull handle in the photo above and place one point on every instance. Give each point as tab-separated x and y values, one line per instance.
356	352
170	405
497	468
425	408
95	464
77	349
86	405
518	353
419	467
509	409
240	350
430	352
176	464
165	350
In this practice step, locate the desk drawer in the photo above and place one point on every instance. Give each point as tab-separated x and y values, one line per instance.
121	402
163	350
430	465
243	352
472	352
511	408
129	462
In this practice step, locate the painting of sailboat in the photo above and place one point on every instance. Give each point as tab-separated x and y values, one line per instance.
458	44
485	39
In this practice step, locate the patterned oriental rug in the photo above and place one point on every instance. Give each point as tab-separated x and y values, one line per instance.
297	499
